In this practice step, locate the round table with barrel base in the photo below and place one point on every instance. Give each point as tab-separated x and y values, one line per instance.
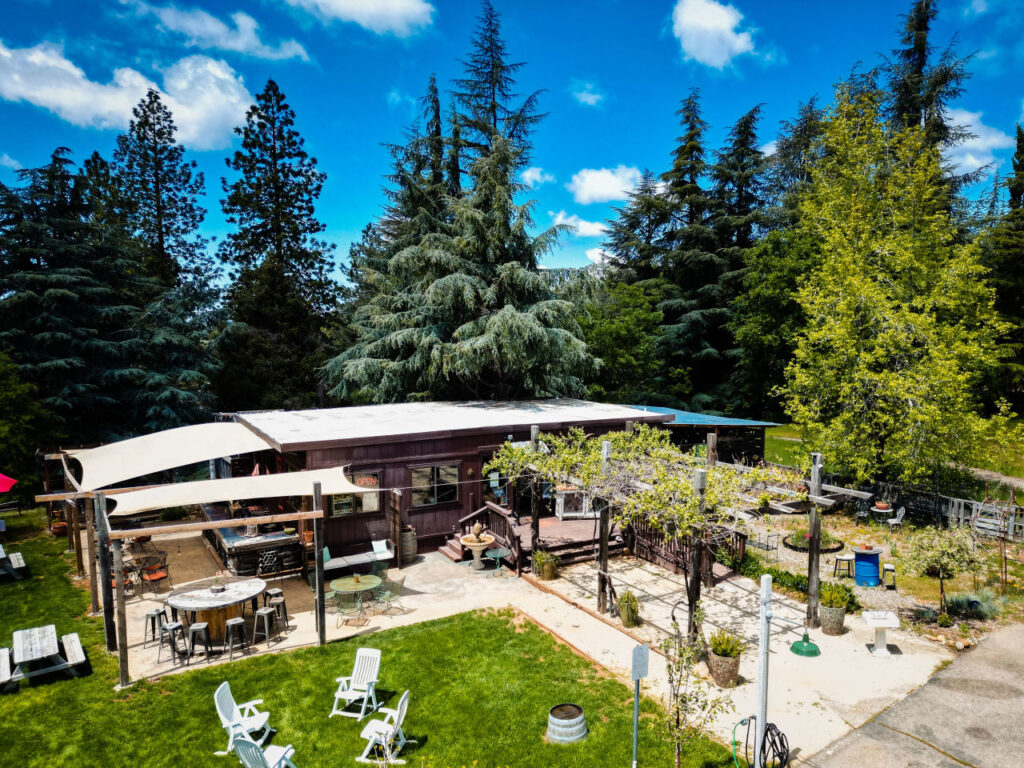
215	603
865	566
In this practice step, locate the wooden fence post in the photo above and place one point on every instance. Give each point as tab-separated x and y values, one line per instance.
711	454
318	549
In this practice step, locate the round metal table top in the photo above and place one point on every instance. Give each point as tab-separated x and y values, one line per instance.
866	552
198	597
349	584
498	553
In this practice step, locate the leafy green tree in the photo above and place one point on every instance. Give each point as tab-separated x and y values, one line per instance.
282	296
636	236
621	329
939	554
21	419
1003	246
160	191
787	171
900	324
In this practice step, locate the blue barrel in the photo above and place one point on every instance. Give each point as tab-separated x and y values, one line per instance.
865	569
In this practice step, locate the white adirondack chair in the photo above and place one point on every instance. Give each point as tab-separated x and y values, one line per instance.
240	721
386	734
361	685
252	756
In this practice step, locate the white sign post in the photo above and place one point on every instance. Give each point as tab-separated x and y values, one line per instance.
641	655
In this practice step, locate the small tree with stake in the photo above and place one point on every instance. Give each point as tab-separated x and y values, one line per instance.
940	554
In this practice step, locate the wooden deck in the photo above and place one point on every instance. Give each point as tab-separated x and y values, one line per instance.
559	533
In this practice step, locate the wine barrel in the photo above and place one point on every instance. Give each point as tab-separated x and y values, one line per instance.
408	546
566	724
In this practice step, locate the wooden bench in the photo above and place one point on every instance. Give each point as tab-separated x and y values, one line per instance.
11	506
5	665
73	651
17	560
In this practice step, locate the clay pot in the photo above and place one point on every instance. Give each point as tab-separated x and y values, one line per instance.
307	536
881	505
549	571
725	670
831	619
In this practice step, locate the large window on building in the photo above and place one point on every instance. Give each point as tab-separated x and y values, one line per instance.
355	503
435	484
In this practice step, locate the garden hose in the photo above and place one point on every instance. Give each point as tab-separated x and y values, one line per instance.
774	750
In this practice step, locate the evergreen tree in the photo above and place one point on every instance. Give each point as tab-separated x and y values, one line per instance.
787	170
161	190
282	297
636	236
1003	247
485	95
21	433
452	160
900	326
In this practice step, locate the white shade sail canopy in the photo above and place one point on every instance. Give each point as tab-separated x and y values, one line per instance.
116	462
282	485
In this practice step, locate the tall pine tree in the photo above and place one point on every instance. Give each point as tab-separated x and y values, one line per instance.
282	297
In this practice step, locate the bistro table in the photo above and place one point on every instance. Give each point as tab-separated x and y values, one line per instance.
497	555
366	583
216	603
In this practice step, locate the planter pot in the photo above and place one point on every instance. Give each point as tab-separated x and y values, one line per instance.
548	571
408	545
882	505
725	670
59	529
831	619
630	617
307	536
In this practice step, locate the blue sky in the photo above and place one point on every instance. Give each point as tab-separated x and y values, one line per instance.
614	73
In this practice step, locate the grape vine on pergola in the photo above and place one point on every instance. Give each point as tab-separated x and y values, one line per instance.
641	475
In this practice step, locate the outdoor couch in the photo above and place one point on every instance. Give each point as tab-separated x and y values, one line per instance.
380	549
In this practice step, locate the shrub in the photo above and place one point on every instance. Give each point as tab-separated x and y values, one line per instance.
628	602
944	620
752	567
725	643
982	605
833	595
541	558
801	539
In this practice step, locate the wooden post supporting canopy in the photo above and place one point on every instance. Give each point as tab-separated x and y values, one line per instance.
711	455
534	495
103	540
602	542
90	539
74	530
122	623
318	549
814	543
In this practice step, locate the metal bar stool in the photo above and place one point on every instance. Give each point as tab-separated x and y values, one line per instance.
169	631
846	561
887	569
272	593
235	628
155	619
198	631
280	609
267	615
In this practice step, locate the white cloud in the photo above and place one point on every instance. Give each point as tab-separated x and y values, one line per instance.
580	227
398	17
975	8
598	255
534	177
587	93
769	149
601	185
709	32
980	150
6	161
206	96
203	30
396	99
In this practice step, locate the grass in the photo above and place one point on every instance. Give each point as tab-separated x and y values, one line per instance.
481	684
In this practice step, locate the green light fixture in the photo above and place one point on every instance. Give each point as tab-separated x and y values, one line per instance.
805	647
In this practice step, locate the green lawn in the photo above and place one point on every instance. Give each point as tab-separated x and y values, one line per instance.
481	688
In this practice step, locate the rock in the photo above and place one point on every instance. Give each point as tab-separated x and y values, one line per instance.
960	646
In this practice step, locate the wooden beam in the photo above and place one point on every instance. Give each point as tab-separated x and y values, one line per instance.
209	525
846	491
602	560
71	495
122	622
813	560
318	550
90	538
74	530
711	455
103	540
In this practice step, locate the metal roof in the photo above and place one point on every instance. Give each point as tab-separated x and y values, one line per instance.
395	422
689	418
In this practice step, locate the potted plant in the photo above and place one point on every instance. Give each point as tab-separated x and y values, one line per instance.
881	505
724	650
629	609
545	565
832	601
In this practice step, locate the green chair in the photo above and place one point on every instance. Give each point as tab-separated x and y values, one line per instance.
390	595
350	605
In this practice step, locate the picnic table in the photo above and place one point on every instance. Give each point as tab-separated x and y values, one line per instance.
38	646
11	563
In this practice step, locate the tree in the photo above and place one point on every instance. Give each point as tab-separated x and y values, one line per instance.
621	329
787	170
160	191
21	420
940	553
485	95
1003	246
900	325
282	296
636	236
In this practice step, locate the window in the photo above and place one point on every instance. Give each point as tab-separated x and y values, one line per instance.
354	503
435	485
